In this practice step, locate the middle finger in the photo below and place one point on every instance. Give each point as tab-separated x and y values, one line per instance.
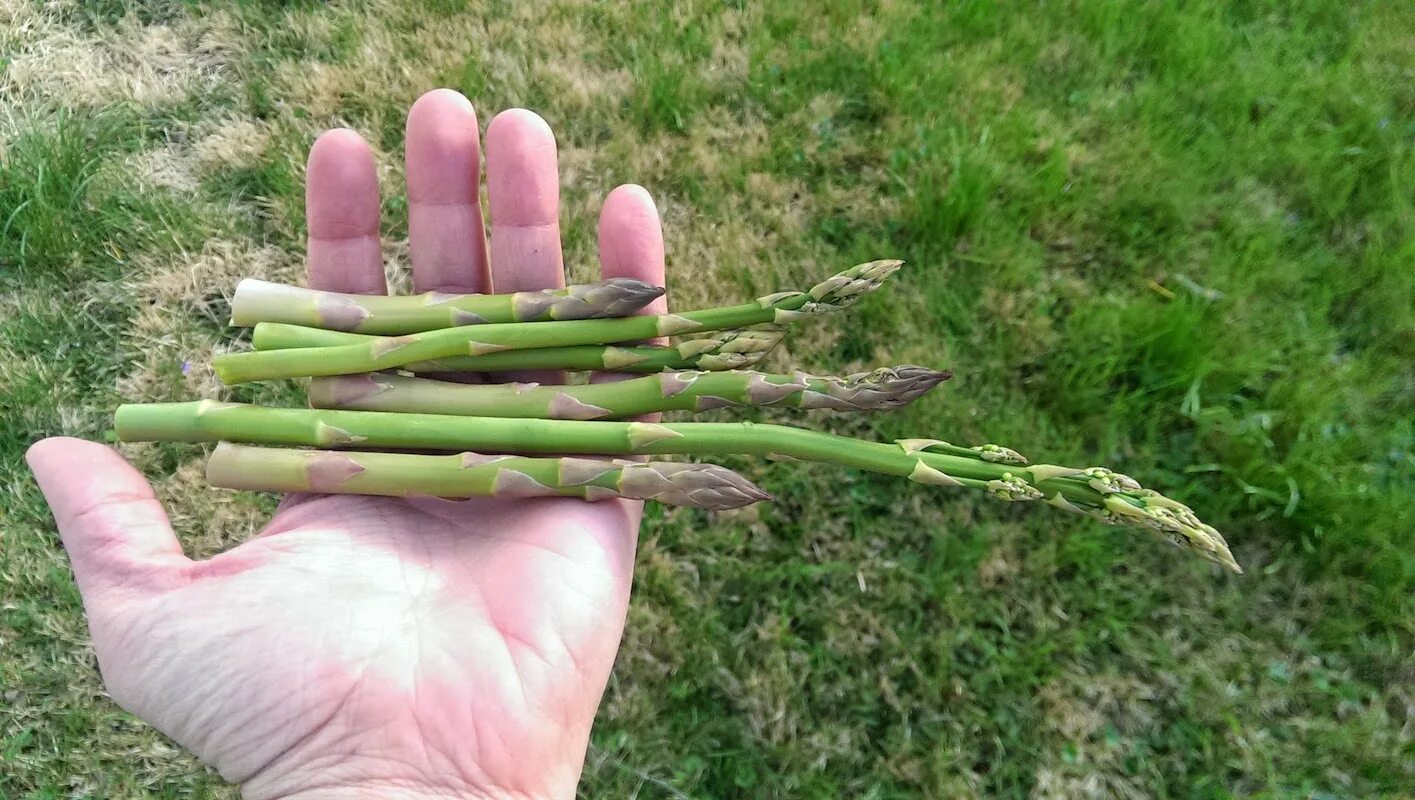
445	235
523	186
523	183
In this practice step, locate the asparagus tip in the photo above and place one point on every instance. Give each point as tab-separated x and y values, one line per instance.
882	389
1175	521
685	484
629	295
613	297
843	289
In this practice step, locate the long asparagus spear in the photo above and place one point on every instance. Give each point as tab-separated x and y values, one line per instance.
731	349
835	293
880	390
234	466
1096	491
262	301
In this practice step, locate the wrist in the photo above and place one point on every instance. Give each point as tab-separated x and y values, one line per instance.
388	790
336	775
347	777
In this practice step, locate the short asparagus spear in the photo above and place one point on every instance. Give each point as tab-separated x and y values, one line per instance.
261	301
730	349
1002	473
880	390
234	466
837	292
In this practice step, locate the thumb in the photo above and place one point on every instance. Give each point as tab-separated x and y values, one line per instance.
115	531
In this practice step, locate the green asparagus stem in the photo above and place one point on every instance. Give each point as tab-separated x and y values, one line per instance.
835	293
262	301
731	349
880	390
234	466
1097	492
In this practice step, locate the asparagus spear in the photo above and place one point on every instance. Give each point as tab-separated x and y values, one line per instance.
234	466
1095	491
882	389
262	301
835	293
731	349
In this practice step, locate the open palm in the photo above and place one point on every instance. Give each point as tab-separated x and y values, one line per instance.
365	646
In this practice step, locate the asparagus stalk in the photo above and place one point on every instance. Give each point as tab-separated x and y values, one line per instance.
261	301
731	349
234	466
883	389
835	293
1002	473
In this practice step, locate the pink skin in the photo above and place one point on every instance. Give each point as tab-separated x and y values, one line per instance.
376	647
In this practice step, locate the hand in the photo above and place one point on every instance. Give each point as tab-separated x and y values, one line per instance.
378	647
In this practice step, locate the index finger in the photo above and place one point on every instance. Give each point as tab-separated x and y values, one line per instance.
342	212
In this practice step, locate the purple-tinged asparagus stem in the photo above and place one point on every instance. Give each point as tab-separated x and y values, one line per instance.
880	390
1096	491
234	466
258	301
730	349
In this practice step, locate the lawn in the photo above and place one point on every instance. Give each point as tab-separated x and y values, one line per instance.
1176	239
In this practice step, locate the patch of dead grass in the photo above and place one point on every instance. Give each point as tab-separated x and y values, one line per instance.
233	142
172	167
172	355
55	65
183	160
1096	716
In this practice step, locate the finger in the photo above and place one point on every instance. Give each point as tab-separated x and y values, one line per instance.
445	232
631	246
115	531
523	184
341	211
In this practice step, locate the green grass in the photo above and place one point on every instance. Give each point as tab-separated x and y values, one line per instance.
1173	239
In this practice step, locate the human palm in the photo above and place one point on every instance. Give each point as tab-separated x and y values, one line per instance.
379	647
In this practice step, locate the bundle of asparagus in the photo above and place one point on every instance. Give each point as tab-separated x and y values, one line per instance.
364	355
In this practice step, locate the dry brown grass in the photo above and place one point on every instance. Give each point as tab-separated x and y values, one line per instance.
231	142
54	64
172	355
206	149
1093	718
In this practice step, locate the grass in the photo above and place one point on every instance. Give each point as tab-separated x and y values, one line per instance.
1176	240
